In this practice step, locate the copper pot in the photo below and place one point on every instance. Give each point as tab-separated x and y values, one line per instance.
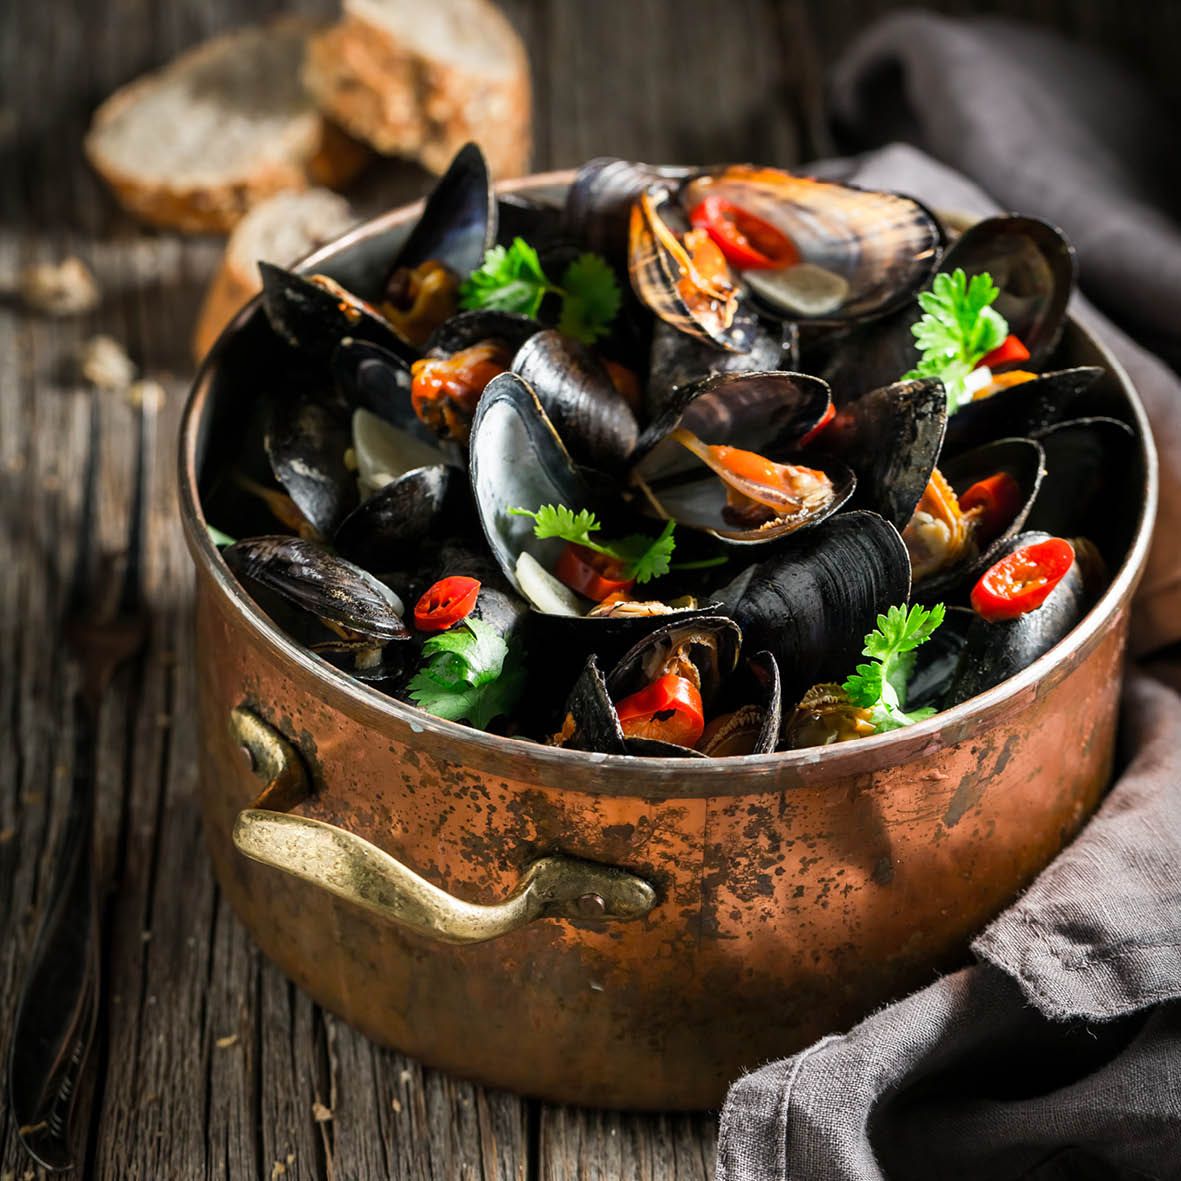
613	931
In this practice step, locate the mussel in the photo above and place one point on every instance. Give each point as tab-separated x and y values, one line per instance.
310	576
993	652
857	253
700	466
578	394
811	604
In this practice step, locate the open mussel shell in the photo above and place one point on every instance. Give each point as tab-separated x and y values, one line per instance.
599	201
306	446
1086	461
748	719
1034	268
812	603
993	652
384	531
577	393
1024	460
891	437
332	589
1022	409
862	252
678	360
372	378
517	460
314	314
767	413
459	218
661	276
710	642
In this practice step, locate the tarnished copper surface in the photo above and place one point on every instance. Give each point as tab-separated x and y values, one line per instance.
795	892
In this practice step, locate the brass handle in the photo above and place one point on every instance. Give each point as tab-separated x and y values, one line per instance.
358	871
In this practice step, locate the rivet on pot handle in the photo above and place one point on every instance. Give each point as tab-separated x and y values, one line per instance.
358	871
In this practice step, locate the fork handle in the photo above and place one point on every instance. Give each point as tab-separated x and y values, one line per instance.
58	1009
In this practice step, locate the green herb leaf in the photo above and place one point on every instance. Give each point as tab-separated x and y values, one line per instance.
881	687
643	557
511	279
468	674
219	538
591	300
958	328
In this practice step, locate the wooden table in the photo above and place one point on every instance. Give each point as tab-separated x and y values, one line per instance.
211	1063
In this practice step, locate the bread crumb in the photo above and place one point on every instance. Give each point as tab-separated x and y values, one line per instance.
290	1159
104	363
224	1043
403	1076
278	1169
320	1113
396	1104
66	288
147	393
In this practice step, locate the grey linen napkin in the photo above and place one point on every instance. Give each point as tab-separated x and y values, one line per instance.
1057	1053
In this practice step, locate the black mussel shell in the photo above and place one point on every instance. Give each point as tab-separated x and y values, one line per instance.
711	642
1086	458
577	393
862	253
1033	266
466	329
678	360
518	216
870	356
891	438
1024	460
314	314
517	460
590	721
812	603
315	579
458	221
656	263
993	652
384	531
748	719
599	201
1022	409
306	446
369	377
768	413
936	660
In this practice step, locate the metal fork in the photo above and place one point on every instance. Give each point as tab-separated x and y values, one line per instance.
56	1020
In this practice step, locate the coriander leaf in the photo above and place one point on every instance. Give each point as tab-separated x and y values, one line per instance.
591	298
509	280
218	538
958	328
469	674
643	557
881	687
646	557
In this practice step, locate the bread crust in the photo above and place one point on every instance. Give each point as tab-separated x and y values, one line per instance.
402	103
315	152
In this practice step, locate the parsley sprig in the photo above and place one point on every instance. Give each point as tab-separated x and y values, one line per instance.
511	280
468	673
643	557
959	327
881	687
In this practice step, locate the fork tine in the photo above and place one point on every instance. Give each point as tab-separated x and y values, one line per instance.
129	598
79	592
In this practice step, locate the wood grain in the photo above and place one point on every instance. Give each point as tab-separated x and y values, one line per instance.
213	1065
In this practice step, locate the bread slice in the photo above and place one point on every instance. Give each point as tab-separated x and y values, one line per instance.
421	79
196	144
282	229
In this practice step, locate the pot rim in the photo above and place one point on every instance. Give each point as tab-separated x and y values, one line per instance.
646	776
